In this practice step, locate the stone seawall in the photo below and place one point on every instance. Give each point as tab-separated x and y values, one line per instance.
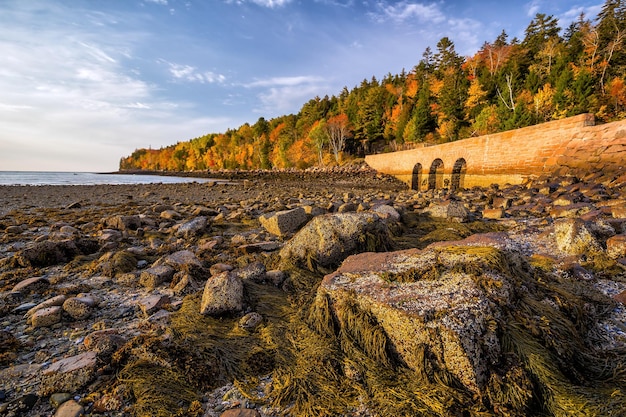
570	146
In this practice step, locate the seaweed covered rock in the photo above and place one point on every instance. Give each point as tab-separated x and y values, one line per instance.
470	325
327	240
575	236
428	301
48	252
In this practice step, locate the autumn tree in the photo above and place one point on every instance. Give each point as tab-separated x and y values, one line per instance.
338	129
319	136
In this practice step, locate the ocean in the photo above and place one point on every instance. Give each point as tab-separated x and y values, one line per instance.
87	178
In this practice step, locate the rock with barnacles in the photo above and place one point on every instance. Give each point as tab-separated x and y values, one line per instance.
424	303
223	294
69	374
475	313
576	237
327	240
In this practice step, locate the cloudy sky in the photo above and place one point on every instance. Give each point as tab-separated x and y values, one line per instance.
85	82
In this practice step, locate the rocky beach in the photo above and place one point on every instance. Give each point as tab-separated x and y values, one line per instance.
334	292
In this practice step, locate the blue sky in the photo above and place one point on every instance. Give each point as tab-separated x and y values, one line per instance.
83	83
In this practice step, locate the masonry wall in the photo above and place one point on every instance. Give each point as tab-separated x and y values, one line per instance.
573	145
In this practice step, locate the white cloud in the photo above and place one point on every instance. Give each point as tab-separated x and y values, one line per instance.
532	8
572	14
69	100
405	11
285	81
161	2
271	3
192	74
468	31
263	3
284	94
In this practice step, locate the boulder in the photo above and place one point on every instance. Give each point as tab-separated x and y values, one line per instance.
47	253
79	308
423	301
575	237
69	374
387	212
450	210
156	275
46	317
327	240
70	409
184	260
192	228
284	222
616	246
223	294
104	343
493	213
254	271
123	222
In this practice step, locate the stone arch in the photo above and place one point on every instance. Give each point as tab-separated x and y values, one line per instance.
416	177
435	175
458	174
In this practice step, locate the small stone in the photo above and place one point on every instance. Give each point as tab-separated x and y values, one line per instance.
46	317
104	343
250	321
276	277
170	215
192	228
451	210
621	297
153	304
156	275
79	308
493	214
284	222
387	212
254	271
70	409
59	398
501	203
31	285
619	211
219	268
260	247
346	208
240	412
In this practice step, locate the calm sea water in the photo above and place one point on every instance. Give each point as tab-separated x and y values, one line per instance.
86	178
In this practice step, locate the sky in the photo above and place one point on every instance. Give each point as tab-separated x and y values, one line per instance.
84	83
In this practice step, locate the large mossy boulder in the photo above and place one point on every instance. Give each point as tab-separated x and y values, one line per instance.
428	300
327	240
476	326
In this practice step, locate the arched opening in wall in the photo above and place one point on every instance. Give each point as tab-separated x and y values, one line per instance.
416	177
458	174
435	175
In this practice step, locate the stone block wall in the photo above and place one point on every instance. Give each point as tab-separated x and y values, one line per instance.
574	145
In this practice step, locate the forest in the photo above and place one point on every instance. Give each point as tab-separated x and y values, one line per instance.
551	74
